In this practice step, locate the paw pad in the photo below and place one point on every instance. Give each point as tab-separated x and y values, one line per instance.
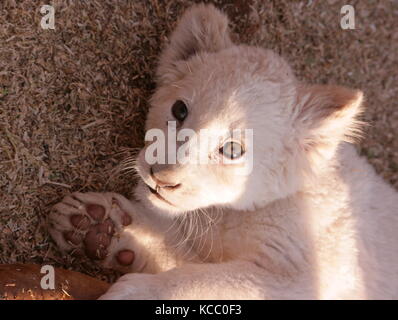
125	257
73	237
126	219
85	225
96	211
80	222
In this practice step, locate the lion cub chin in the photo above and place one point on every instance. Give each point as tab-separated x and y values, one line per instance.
287	210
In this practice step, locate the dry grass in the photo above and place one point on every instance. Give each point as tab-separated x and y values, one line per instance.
73	99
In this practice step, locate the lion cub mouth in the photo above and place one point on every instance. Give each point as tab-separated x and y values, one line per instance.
157	194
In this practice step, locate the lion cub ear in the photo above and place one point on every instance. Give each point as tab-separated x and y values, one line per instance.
202	28
325	115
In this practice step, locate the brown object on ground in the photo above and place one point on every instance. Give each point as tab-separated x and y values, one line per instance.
22	282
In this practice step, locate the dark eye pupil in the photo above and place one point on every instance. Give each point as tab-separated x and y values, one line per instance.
232	150
179	110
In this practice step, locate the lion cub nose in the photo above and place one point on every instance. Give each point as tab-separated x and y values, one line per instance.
160	181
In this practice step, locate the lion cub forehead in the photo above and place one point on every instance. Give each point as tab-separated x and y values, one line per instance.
239	64
222	83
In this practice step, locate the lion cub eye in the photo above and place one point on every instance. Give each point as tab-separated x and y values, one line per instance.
179	110
232	150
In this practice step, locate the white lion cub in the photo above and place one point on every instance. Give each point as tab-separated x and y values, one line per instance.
311	220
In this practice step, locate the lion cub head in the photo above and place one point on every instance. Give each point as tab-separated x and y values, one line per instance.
260	130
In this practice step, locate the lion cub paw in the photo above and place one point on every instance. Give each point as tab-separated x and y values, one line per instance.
94	224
